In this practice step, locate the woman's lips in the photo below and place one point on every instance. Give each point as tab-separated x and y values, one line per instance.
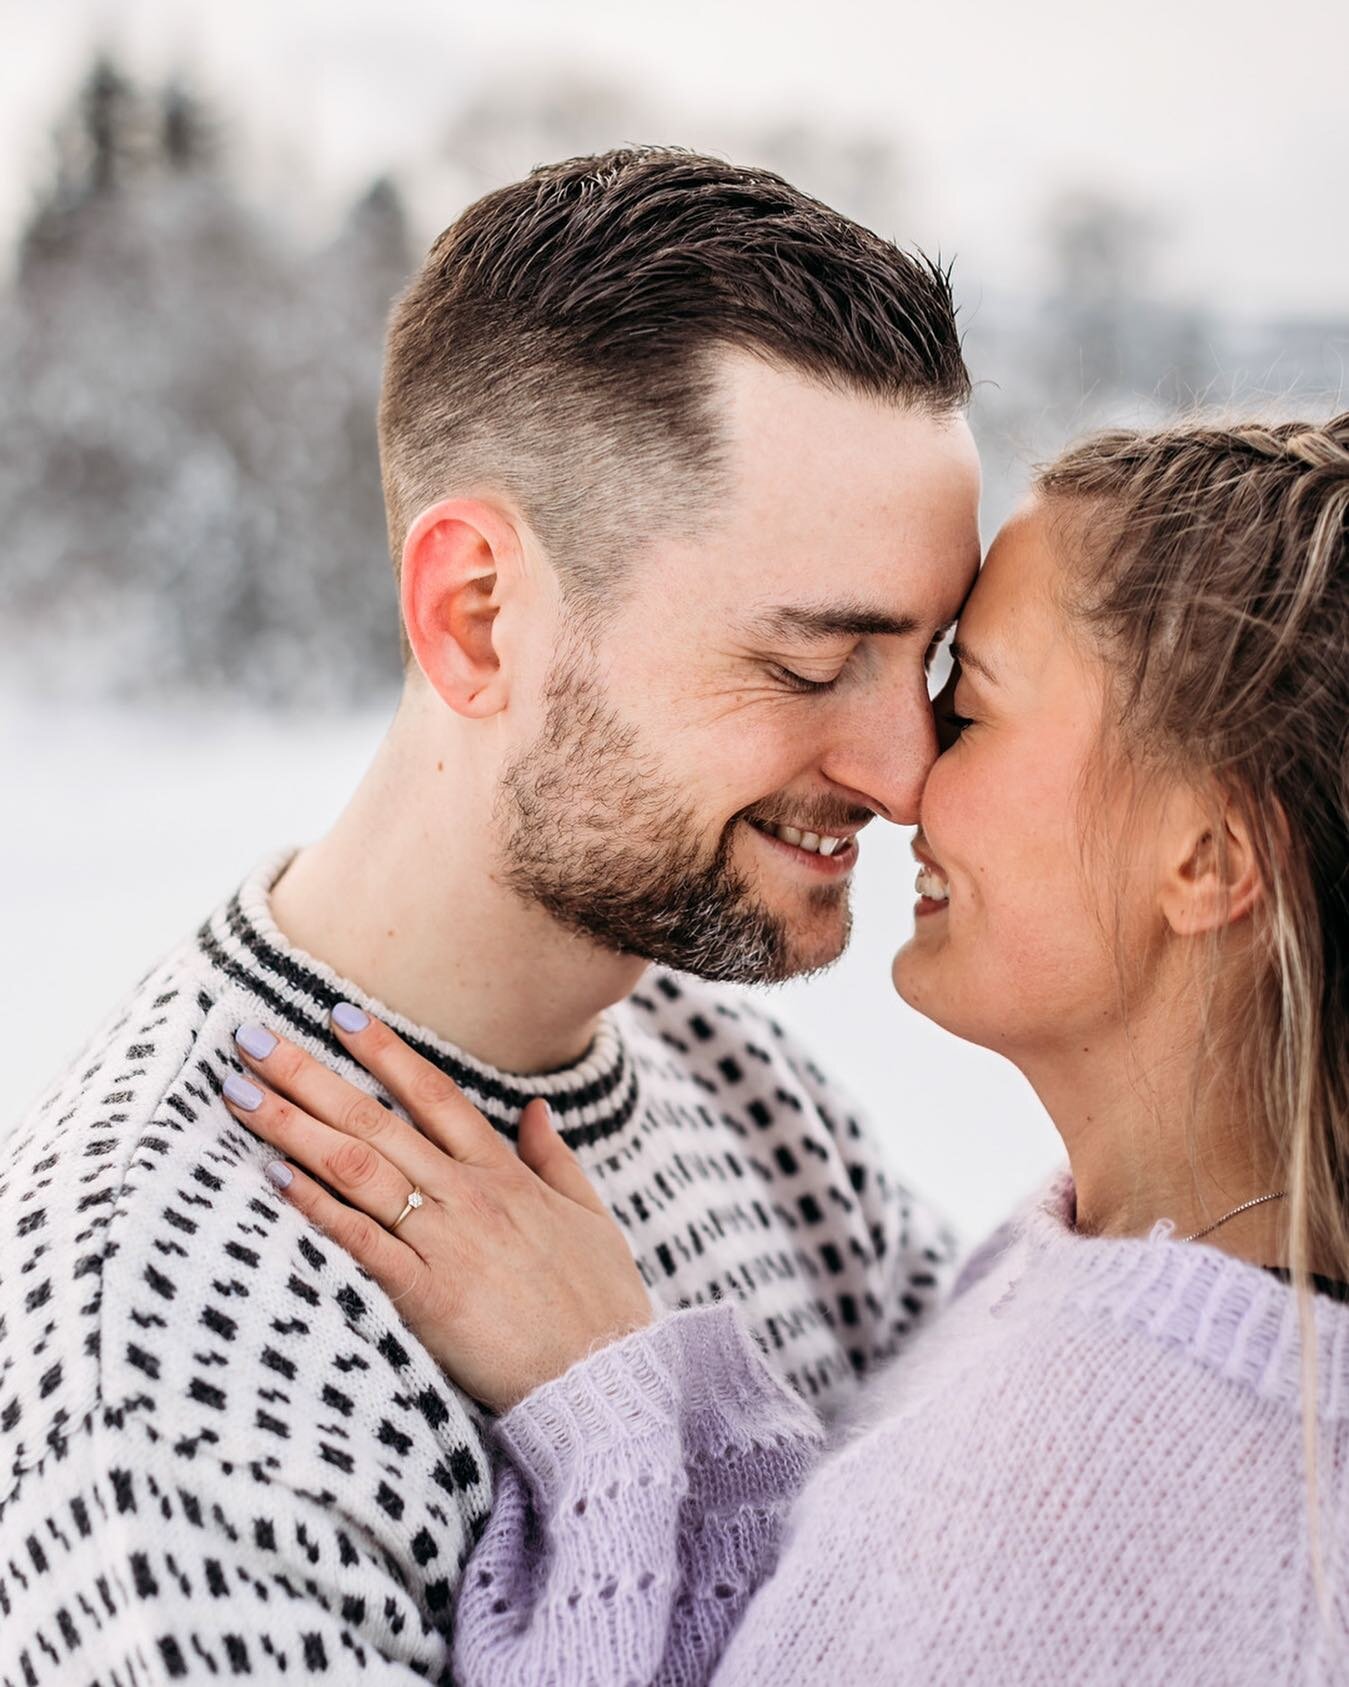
934	892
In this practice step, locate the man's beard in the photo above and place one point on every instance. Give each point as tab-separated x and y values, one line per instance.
591	832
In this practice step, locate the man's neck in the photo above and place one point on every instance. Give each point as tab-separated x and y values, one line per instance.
399	896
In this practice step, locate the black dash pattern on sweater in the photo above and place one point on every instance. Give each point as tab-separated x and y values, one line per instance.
223	1453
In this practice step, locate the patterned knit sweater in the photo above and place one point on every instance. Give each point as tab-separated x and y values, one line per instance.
222	1451
1087	1470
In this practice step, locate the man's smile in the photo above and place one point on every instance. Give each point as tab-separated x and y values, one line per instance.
830	854
812	842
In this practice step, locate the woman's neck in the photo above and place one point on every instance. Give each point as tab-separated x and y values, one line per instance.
1148	1138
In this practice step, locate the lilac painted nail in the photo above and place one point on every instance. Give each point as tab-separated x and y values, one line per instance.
255	1039
242	1093
349	1017
280	1174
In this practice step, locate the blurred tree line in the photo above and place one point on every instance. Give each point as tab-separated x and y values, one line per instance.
189	481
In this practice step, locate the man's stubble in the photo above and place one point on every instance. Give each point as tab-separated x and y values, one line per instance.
592	831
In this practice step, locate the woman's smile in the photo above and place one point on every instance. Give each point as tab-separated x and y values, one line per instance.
934	890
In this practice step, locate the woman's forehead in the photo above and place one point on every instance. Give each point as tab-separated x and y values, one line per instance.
1012	620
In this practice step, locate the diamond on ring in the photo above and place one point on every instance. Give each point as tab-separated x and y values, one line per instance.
415	1198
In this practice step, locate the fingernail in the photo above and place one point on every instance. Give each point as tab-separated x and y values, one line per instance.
348	1017
255	1040
280	1174
242	1093
548	1115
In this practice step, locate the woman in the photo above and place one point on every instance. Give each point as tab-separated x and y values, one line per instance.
1122	1452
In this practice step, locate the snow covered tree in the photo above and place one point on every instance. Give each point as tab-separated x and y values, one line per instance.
189	478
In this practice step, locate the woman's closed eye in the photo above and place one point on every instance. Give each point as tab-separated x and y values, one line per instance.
950	719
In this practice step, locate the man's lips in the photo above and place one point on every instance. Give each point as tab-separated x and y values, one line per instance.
828	850
842	861
828	828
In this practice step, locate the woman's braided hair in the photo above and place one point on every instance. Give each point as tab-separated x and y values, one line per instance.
1211	565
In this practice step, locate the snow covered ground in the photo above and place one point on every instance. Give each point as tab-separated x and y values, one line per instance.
125	827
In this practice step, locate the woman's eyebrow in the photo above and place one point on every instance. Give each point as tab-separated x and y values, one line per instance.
967	659
825	621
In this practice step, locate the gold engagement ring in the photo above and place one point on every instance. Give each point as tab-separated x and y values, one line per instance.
413	1200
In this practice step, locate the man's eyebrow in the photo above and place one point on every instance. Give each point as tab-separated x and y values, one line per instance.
823	621
966	658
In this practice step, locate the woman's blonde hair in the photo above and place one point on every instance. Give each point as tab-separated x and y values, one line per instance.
1210	564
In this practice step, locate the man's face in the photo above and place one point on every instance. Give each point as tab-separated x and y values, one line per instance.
760	694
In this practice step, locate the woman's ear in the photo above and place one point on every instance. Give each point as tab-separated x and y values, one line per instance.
1211	877
460	558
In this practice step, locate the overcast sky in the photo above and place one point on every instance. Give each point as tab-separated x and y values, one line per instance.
1225	117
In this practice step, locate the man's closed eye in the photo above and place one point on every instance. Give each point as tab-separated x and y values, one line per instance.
800	682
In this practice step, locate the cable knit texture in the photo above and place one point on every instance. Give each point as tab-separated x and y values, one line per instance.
1087	1470
223	1453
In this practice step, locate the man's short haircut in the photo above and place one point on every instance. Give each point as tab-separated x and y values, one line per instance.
555	346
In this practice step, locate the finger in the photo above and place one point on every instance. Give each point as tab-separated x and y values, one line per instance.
352	1168
433	1099
396	1266
545	1153
324	1095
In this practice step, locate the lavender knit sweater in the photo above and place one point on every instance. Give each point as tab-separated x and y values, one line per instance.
1087	1471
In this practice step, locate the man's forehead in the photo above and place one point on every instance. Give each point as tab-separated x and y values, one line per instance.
786	432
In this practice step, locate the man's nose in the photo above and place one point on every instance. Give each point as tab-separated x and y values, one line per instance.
883	753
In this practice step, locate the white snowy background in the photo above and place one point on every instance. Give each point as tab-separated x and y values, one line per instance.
203	214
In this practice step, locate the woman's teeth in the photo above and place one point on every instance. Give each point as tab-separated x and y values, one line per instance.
811	841
932	885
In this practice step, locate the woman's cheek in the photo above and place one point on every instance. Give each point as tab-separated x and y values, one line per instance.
993	820
962	815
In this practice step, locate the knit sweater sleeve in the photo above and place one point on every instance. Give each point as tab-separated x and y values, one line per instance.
221	1451
158	1569
639	1505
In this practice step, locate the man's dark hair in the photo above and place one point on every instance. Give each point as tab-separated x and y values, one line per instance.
556	344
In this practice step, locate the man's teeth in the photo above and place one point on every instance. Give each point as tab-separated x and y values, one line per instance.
811	841
932	885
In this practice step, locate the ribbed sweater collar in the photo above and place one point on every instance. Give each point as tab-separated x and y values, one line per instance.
241	943
1230	1316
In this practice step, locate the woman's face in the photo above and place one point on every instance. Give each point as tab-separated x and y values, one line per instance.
1009	948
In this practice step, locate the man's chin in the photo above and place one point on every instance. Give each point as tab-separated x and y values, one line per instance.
803	955
708	922
791	953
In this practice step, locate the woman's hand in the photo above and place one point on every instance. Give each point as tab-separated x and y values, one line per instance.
509	1270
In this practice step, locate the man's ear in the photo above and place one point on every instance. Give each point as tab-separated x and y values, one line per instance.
461	556
1210	876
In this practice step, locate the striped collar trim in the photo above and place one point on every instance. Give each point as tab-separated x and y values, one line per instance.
240	942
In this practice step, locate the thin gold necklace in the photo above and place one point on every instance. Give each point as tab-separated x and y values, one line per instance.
1245	1206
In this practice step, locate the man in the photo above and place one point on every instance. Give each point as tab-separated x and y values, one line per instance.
680	498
